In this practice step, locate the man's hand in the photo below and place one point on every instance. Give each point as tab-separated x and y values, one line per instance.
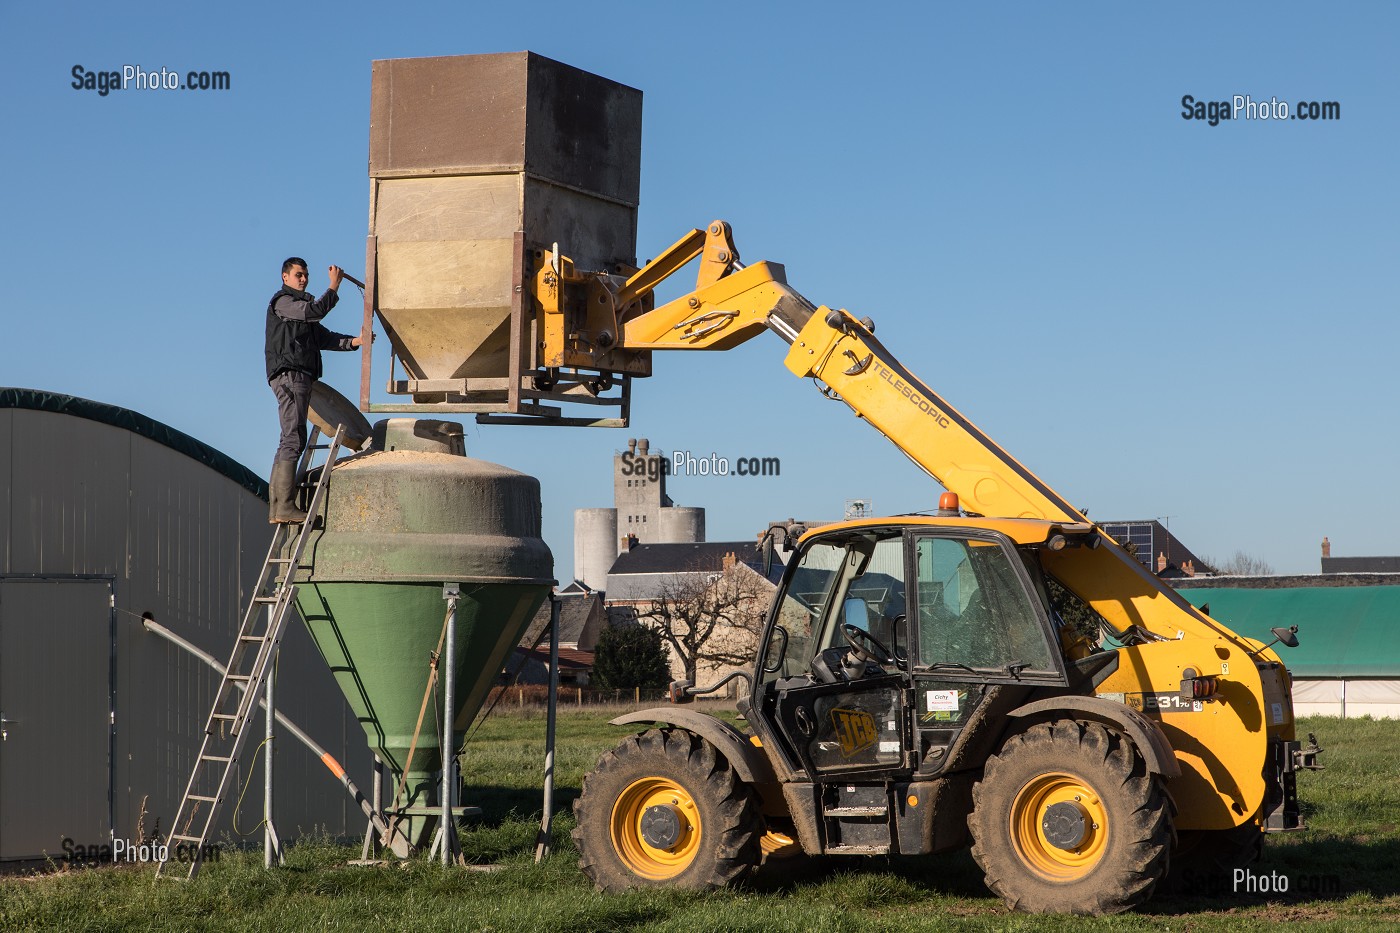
358	342
336	275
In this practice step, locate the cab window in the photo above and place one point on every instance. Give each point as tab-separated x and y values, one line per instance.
874	598
857	581
973	610
790	647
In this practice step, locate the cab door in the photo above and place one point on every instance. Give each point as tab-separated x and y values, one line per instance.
840	715
843	729
982	642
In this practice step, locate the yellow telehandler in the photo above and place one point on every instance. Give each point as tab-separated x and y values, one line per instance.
917	688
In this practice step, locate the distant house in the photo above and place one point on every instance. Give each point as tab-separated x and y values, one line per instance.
1153	544
650	574
644	570
581	619
1332	564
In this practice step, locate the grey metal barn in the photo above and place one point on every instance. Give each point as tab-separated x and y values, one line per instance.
106	514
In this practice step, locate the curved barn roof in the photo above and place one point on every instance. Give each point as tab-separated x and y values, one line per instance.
137	423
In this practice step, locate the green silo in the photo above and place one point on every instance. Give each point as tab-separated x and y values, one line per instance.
400	521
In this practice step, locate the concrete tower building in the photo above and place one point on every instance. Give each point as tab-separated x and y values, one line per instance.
639	491
680	525
641	509
595	545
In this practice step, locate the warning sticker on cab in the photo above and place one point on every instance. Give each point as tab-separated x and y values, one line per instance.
943	701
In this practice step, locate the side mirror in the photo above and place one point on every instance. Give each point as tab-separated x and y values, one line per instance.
1287	636
855	612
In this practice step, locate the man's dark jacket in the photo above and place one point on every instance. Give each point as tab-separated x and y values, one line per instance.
295	337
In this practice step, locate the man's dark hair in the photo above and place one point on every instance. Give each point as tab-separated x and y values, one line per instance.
293	262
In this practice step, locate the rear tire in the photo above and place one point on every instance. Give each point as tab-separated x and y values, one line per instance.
1067	819
665	808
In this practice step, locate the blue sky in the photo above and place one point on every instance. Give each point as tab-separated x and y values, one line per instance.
1159	317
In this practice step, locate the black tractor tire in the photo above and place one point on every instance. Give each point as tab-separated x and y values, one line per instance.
1205	860
1110	837
710	820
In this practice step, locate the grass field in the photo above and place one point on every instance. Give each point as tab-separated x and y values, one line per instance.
1343	872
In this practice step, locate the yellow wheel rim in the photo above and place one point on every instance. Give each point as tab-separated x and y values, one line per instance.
637	854
1028	832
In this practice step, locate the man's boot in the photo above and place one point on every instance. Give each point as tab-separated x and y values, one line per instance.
281	494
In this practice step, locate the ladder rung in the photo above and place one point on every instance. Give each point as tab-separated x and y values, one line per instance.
266	599
239	676
224	758
223	716
201	797
184	838
251	637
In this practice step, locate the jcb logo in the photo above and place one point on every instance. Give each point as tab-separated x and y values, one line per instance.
855	728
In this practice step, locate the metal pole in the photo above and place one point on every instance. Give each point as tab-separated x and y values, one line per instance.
272	848
449	754
546	823
371	846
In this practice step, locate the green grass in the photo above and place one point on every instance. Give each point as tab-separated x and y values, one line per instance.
1352	807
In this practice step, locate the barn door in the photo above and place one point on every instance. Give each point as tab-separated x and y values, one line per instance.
56	700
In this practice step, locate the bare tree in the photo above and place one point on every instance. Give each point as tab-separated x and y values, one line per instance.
713	619
1240	565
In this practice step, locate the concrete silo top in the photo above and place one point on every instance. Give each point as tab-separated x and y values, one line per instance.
137	423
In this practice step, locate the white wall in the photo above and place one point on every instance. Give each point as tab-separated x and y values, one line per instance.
1348	699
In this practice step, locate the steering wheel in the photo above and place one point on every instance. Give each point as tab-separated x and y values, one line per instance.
866	647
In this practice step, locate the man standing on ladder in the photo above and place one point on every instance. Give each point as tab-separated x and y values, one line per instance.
295	339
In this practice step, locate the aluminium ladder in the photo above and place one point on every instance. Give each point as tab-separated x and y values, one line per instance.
254	652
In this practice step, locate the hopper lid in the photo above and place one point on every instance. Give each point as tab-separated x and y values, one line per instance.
329	408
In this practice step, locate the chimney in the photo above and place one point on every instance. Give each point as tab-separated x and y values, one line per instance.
1161	561
729	561
1326	548
629	542
1188	568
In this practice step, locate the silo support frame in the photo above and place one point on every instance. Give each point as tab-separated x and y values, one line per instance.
446	840
272	843
542	844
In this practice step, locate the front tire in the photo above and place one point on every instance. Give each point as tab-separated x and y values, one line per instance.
665	808
1067	819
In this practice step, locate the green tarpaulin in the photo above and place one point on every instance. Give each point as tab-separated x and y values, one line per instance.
1343	631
